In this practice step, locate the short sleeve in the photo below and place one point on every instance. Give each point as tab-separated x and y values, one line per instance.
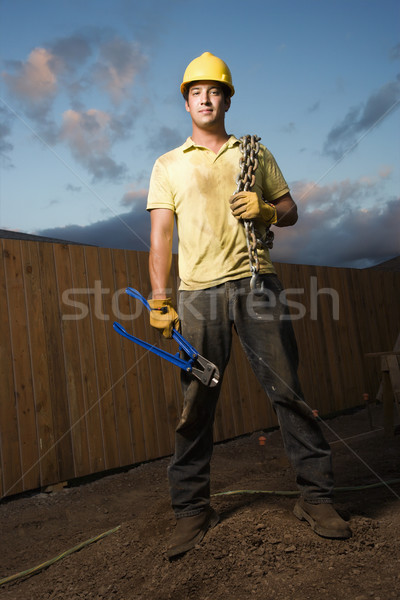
274	184
160	193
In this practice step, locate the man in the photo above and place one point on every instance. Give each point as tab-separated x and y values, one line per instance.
193	185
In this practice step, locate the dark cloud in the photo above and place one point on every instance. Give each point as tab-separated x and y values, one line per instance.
314	107
118	64
105	167
71	52
73	188
130	231
6	146
120	125
334	229
379	104
289	127
395	52
360	119
166	139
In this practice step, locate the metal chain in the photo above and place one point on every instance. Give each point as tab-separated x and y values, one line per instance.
248	163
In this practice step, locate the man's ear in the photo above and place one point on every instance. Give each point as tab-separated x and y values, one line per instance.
227	104
187	106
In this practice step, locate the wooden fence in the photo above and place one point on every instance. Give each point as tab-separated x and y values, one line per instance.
78	399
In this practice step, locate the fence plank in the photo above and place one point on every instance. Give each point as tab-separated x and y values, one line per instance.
332	349
128	368
297	282
99	265
315	351
73	366
113	276
21	352
55	357
42	392
367	326
10	452
348	342
80	316
156	366
139	329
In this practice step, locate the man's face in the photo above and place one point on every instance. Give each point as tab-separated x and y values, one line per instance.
206	104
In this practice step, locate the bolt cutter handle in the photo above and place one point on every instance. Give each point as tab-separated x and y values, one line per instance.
184	344
200	367
174	359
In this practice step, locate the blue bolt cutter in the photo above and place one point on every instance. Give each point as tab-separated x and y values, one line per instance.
196	364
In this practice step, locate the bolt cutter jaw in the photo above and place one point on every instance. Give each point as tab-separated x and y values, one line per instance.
208	374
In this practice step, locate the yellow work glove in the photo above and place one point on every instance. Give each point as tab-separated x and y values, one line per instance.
247	205
163	316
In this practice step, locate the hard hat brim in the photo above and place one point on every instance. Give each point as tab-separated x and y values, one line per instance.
186	84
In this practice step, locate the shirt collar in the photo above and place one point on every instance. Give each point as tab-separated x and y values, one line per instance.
190	145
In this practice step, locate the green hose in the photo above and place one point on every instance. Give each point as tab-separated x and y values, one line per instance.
38	568
353	488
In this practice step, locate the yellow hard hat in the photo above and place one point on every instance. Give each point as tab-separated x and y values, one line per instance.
207	67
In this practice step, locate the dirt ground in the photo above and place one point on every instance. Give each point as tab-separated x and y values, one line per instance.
259	550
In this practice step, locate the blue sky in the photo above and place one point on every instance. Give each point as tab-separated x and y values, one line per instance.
89	98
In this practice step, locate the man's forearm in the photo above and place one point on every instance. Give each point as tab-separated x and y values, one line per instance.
159	267
286	210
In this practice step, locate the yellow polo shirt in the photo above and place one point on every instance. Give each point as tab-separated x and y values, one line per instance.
196	184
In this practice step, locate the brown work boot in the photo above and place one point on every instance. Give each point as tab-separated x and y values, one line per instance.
189	531
323	518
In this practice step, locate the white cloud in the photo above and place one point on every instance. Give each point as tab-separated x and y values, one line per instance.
57	74
89	135
135	198
35	79
83	129
385	171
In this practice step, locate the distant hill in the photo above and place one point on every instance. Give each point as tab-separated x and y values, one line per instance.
388	265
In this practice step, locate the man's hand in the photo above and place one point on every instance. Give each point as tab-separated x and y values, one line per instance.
163	316
247	205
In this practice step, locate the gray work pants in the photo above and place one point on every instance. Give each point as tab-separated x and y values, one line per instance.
264	328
